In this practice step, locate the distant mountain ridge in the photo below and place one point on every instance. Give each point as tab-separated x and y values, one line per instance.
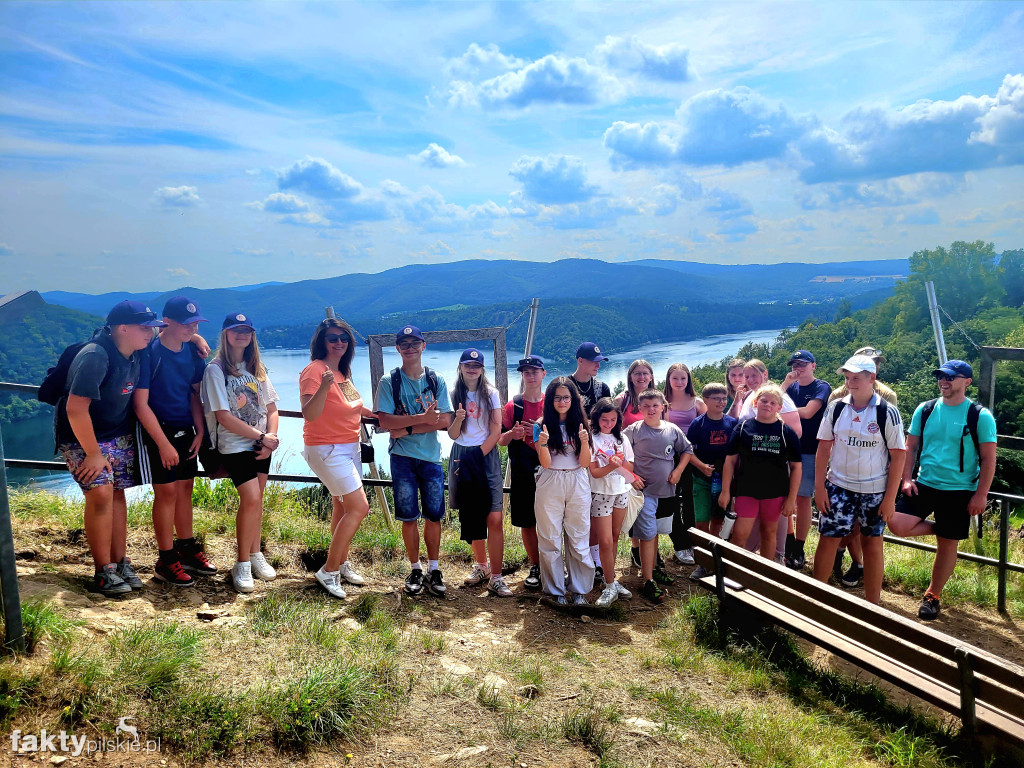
421	287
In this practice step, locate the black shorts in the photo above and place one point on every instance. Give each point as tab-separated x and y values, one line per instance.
952	518
151	469
244	466
522	496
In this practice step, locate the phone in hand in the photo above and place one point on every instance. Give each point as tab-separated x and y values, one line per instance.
536	432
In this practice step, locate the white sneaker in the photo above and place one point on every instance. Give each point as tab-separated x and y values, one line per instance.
685	556
478	576
623	592
497	586
261	569
348	574
241	577
608	596
329	581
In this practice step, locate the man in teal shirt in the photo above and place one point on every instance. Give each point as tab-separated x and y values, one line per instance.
953	478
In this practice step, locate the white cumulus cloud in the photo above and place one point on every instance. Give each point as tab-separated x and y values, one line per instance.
177	197
318	178
436	156
551	80
666	62
553	179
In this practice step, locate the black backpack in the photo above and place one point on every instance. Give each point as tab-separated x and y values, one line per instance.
973	414
51	390
396	388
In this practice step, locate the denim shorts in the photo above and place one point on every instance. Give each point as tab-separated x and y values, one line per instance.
848	507
807	475
411	476
652	518
120	455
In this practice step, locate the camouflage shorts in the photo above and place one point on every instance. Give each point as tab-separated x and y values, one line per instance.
119	453
849	507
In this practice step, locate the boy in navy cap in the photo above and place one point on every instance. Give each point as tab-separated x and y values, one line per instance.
413	417
94	424
170	414
588	363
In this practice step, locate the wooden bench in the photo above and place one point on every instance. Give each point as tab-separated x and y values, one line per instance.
986	692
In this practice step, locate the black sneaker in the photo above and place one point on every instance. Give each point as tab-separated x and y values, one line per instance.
435	584
107	581
599	578
837	566
929	609
197	562
651	591
173	574
854	575
661	562
414	581
662	577
634	556
798	561
532	581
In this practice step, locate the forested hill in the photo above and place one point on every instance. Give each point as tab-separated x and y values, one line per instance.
30	343
982	292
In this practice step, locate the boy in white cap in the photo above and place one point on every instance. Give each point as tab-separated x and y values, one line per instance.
861	445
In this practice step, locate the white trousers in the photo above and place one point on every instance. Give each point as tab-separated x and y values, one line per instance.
563	513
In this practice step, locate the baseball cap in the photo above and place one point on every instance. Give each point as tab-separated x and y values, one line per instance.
472	355
409	330
183	310
801	355
134	313
956	368
856	364
532	361
871	352
237	320
588	350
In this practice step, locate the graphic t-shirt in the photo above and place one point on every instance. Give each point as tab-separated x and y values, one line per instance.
860	454
416	398
710	439
606	446
111	408
590	394
801	396
342	414
654	455
170	389
242	395
945	429
475	428
765	451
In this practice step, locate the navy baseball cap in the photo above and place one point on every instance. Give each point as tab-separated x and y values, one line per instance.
134	313
956	368
183	310
237	320
409	330
801	356
588	350
531	362
472	355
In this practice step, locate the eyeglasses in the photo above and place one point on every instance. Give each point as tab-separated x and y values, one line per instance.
405	346
334	338
800	364
946	377
562	398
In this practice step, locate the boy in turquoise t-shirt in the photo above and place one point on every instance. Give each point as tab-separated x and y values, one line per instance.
416	472
954	478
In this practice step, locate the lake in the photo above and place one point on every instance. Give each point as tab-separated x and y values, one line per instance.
33	439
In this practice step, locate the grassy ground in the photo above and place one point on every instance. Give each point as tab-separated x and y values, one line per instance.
288	675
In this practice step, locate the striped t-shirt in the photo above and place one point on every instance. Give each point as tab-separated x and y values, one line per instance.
860	454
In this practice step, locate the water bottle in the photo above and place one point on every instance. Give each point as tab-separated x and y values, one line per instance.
716	485
727	524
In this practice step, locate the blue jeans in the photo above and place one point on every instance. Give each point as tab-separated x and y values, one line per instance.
411	475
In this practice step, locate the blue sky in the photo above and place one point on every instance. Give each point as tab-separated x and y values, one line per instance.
147	146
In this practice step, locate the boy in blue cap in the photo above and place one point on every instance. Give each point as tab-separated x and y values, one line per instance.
170	414
94	424
413	418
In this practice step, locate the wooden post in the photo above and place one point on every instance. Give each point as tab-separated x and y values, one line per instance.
968	710
14	634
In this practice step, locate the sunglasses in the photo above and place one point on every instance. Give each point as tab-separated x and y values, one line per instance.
800	365
946	377
407	345
334	338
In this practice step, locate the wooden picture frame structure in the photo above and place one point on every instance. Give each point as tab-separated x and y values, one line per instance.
987	385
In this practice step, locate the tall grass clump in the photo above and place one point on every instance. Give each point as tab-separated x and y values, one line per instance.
152	658
40	620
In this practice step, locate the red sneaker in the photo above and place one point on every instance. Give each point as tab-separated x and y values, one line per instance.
173	574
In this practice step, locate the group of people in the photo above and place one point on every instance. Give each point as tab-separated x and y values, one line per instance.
584	466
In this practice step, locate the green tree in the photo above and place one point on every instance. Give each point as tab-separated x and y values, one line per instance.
1011	275
965	276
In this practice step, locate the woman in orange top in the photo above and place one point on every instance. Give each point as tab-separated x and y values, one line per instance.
332	410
